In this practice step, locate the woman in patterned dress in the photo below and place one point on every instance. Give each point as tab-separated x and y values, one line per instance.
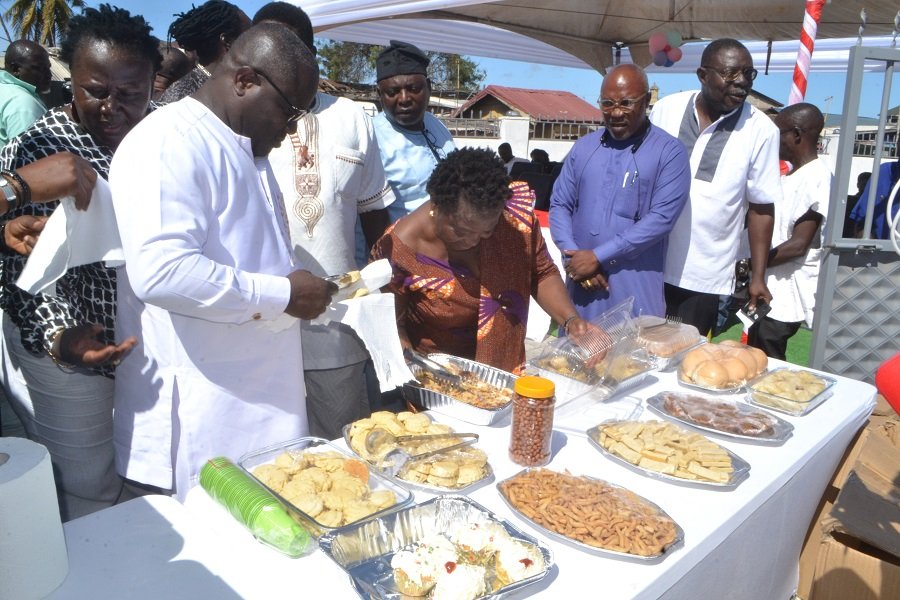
467	262
60	351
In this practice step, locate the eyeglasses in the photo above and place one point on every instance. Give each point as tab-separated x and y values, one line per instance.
731	75
626	104
296	113
431	142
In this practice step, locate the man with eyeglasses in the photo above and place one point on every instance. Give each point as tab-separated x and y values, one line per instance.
411	139
733	150
331	175
793	267
618	195
213	289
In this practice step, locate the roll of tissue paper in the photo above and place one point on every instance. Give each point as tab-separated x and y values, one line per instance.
33	560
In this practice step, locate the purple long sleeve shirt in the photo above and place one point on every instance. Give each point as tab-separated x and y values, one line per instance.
621	199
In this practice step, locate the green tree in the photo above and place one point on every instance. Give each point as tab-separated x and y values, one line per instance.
351	62
43	21
454	72
348	62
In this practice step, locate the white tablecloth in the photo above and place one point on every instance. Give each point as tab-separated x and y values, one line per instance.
739	544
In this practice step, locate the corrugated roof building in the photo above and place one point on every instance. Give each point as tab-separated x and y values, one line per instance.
495	101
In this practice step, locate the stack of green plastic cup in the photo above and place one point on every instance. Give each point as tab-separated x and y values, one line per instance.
254	506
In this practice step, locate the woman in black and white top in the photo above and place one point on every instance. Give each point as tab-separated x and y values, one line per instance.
61	348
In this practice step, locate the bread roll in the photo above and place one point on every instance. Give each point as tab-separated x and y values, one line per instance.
735	361
736	369
744	355
762	361
692	359
712	374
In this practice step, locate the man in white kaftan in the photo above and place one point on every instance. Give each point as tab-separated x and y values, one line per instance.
210	270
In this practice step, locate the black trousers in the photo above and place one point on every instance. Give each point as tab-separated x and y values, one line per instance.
694	308
772	336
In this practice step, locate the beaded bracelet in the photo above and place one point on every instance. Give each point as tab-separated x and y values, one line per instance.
23	186
567	321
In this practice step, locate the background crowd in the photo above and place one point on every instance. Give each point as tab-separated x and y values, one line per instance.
238	187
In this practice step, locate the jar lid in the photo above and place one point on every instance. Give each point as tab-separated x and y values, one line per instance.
534	387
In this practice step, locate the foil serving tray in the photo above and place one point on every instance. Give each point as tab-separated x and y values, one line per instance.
377	481
364	551
740	466
678	542
781	429
450	406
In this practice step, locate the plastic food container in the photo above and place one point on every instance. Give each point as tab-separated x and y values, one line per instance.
364	551
568	372
625	367
446	404
791	391
532	421
666	340
376	481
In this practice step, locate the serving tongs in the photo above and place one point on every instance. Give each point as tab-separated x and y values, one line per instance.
394	459
433	367
344	280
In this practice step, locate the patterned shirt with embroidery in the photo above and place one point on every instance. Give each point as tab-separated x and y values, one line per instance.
85	294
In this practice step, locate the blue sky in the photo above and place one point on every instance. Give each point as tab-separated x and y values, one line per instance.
582	82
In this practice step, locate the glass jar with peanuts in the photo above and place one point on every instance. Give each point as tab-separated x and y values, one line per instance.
532	421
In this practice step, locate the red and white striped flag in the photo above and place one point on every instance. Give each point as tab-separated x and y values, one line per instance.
804	54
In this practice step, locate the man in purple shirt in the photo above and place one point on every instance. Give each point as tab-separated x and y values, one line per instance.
615	202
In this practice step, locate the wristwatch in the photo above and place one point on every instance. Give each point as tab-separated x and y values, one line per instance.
9	193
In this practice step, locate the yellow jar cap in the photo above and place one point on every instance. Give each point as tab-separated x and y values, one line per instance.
534	387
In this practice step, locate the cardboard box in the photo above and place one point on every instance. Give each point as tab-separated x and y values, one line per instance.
863	498
868	505
848	569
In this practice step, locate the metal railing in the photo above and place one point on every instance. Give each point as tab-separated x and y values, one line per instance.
561	130
472	128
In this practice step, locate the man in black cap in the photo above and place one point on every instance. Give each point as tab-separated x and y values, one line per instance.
411	140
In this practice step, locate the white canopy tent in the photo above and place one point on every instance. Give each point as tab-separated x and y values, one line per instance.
591	30
474	39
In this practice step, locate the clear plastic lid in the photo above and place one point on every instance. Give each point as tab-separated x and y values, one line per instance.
665	338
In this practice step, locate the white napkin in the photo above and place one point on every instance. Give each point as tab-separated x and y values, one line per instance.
72	238
373	319
373	277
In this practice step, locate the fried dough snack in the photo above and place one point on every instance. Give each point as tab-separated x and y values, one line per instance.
327	486
451	470
591	512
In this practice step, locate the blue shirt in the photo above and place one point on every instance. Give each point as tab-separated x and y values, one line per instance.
409	157
888	174
621	199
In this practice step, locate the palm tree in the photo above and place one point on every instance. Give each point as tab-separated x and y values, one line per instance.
43	21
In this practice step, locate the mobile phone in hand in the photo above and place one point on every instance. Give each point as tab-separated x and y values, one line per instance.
761	309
